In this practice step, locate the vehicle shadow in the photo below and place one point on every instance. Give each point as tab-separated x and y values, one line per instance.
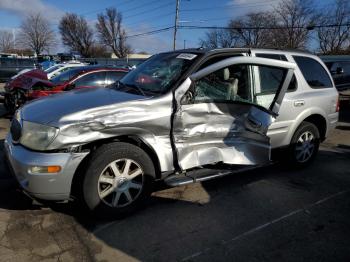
178	221
344	113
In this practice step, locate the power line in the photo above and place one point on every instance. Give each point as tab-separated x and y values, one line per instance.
149	10
310	27
102	9
152	32
153	17
229	6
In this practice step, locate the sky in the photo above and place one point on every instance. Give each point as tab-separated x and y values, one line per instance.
140	16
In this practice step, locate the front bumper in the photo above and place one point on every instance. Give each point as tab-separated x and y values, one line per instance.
56	186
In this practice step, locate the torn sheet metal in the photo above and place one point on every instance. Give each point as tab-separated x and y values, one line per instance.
208	133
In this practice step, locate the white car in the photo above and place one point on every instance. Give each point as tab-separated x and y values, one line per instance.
60	68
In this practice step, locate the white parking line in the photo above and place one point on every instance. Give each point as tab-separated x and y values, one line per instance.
258	228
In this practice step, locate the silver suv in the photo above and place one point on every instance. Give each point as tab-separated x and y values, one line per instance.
182	117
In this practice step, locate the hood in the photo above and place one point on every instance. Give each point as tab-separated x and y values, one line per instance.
28	79
36	73
83	103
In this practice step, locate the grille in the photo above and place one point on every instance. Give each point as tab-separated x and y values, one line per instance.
16	130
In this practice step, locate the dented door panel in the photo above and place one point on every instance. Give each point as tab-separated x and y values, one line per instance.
208	133
232	133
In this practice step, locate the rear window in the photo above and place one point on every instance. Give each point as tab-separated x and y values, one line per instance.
313	72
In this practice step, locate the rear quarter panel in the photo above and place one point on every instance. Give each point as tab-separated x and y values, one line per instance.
322	101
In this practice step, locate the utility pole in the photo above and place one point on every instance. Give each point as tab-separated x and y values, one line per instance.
176	22
184	44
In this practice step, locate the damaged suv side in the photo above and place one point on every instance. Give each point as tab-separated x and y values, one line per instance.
176	115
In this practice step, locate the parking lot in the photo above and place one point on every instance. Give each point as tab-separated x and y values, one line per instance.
270	214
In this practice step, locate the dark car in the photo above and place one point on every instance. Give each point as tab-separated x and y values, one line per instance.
80	77
12	66
339	66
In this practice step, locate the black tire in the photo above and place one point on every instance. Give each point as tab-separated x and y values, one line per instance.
301	154
98	166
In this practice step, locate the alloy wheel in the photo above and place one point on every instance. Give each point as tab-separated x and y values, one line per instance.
305	147
120	183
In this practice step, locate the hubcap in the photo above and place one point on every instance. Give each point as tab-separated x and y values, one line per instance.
305	147
120	183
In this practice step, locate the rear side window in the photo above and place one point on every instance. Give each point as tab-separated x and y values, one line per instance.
266	71
313	72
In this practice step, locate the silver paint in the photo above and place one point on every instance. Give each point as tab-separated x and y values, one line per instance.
89	115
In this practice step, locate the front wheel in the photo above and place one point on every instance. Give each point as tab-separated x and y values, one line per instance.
118	179
305	144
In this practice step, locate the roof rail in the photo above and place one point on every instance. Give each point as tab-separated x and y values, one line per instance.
285	49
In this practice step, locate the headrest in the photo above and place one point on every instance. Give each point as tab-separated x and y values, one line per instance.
224	74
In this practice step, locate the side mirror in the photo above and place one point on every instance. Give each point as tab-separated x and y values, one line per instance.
340	70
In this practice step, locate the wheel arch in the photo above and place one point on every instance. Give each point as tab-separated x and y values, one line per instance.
314	116
132	139
320	122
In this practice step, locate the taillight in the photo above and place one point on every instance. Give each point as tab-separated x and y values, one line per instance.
338	105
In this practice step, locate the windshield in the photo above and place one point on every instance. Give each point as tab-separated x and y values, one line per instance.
65	76
52	68
158	74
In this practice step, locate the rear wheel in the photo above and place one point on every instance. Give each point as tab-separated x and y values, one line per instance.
118	179
305	144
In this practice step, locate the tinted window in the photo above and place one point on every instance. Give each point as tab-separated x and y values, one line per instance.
52	68
313	72
61	78
270	79
92	79
114	76
293	84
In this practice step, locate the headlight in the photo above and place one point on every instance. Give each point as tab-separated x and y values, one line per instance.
37	136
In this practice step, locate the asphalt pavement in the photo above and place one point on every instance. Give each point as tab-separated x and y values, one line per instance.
270	214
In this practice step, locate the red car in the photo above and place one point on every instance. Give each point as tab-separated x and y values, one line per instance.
30	87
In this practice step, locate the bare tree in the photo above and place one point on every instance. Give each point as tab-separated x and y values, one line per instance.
335	39
36	33
76	34
250	30
7	42
111	32
98	50
218	38
294	16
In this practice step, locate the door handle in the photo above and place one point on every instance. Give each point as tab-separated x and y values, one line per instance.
299	103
